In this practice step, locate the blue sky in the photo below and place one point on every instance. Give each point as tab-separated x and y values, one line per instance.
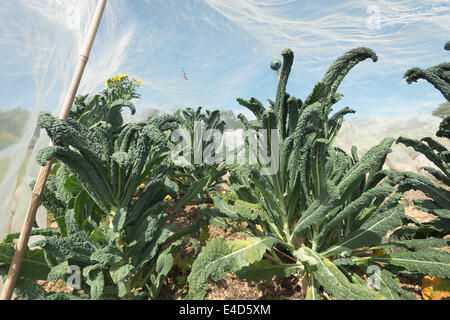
224	47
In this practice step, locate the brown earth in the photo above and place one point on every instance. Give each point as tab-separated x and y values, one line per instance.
231	287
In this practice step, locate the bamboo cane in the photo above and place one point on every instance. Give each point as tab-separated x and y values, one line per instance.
22	244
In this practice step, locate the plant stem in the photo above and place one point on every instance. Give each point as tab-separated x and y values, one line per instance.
285	255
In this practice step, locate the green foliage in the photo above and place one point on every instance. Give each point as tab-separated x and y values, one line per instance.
116	232
438	76
222	256
34	266
438	154
105	109
194	126
438	202
320	214
444	128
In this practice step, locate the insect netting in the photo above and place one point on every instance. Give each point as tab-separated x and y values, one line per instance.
188	54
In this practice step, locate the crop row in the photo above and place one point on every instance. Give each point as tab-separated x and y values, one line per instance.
322	216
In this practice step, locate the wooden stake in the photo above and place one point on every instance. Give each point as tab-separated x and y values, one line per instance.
22	244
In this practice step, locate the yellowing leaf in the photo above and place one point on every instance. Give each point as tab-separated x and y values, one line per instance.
378	253
435	288
204	234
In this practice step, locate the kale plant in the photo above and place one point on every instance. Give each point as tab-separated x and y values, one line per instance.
105	108
199	132
321	215
438	194
121	243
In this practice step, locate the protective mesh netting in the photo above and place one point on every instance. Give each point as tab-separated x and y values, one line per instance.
188	53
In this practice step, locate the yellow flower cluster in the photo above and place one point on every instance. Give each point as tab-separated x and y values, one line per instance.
138	82
118	78
122	78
